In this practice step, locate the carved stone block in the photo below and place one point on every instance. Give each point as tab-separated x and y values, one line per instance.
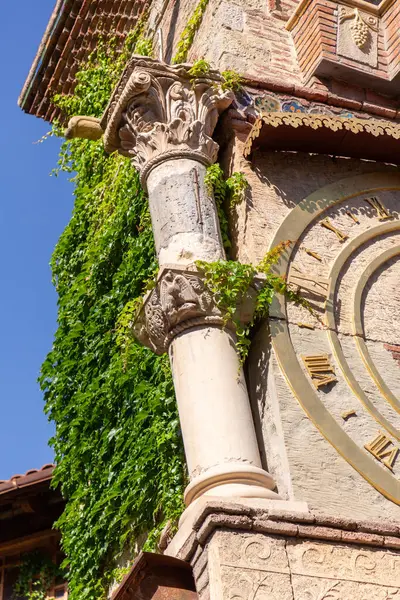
159	111
358	36
250	566
179	300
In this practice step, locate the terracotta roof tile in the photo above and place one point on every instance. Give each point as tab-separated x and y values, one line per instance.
29	478
73	31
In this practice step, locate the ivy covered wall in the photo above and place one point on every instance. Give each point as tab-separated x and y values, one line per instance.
117	444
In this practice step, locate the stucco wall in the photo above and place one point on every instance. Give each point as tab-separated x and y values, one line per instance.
305	465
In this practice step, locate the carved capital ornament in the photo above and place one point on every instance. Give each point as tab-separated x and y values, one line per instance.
180	300
159	112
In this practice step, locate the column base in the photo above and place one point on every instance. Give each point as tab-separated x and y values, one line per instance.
232	479
229	481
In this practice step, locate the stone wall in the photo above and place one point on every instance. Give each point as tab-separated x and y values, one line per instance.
253	38
247	36
304	464
251	551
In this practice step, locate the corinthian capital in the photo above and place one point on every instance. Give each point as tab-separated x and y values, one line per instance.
158	111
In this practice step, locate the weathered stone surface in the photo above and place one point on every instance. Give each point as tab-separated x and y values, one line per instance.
260	567
357	36
158	111
303	463
183	213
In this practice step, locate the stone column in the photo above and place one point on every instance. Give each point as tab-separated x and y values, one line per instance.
163	119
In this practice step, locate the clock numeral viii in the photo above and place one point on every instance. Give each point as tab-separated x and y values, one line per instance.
383	449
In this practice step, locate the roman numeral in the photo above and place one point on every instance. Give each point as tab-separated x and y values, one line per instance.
305	281
328	225
319	369
383	449
383	213
352	216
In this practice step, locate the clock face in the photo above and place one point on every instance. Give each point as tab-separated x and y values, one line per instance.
342	358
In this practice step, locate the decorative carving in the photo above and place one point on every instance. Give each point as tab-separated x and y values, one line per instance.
360	26
159	111
180	300
256	566
374	127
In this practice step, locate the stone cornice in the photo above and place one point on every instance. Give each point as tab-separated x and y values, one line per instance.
361	4
218	514
159	112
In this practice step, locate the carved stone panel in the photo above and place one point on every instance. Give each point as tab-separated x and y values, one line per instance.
358	36
181	300
178	301
251	566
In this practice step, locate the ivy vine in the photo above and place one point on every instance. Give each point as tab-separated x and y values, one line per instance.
117	442
230	283
187	36
37	573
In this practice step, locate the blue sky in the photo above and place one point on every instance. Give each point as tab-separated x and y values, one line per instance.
34	209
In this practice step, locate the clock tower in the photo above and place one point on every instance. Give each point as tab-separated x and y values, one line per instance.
294	462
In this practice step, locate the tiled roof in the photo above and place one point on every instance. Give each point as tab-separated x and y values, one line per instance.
71	35
31	477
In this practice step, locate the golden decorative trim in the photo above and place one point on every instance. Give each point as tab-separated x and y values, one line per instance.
352	216
377	11
305	325
319	369
313	254
292	227
375	127
358	330
337	266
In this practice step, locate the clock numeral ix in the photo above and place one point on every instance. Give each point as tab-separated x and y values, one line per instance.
383	449
310	283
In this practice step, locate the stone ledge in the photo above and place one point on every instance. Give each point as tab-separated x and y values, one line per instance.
266	517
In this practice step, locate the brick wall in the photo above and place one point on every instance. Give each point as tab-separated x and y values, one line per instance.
252	38
391	23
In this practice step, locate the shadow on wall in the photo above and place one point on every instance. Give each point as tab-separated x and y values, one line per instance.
169	42
256	372
295	175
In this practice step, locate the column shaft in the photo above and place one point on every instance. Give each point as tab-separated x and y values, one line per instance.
217	425
183	213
